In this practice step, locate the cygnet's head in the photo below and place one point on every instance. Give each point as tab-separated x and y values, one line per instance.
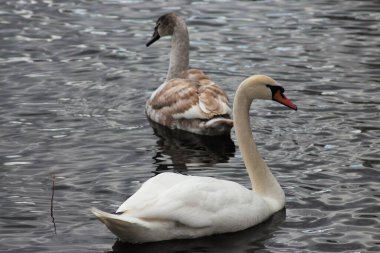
165	26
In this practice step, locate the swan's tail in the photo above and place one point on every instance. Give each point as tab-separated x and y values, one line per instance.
219	126
126	228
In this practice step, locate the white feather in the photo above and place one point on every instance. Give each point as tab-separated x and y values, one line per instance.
193	113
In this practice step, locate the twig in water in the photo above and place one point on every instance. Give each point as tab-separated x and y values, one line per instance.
51	205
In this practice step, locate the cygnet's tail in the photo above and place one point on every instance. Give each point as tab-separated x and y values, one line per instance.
219	126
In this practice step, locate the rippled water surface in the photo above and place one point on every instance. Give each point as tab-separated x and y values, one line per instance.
74	79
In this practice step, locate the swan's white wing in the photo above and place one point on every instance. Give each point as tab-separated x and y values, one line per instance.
150	190
194	202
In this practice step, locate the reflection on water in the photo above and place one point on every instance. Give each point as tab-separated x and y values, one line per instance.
177	149
232	242
74	79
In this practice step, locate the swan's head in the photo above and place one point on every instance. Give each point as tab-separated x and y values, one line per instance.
264	87
165	26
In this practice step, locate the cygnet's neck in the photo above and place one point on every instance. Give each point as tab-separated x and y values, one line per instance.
179	53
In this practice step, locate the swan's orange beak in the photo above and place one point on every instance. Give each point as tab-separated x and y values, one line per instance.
280	97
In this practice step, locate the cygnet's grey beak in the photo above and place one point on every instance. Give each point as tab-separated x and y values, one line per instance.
155	37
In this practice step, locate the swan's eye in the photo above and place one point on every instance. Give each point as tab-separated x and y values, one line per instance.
275	88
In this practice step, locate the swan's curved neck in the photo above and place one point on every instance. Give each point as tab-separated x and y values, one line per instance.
179	53
262	180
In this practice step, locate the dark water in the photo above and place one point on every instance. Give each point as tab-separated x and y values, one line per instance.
74	79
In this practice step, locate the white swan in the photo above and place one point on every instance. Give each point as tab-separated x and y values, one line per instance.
188	99
173	206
